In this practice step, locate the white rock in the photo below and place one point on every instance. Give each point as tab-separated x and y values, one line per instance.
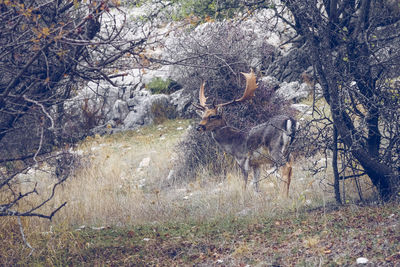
98	228
303	108
170	175
362	260
144	163
293	90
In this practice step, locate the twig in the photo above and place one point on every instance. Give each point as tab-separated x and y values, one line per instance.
43	109
40	145
23	236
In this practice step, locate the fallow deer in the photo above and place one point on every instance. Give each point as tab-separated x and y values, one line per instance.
265	144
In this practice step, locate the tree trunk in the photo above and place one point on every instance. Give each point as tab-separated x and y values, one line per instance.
336	177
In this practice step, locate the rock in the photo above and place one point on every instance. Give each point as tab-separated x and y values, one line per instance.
120	110
317	91
138	117
293	91
171	175
144	163
270	82
302	108
182	102
146	108
362	260
289	67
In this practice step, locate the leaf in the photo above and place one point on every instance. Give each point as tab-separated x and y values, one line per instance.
116	2
46	31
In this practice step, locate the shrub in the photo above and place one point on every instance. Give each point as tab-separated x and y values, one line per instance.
161	111
196	151
218	52
159	86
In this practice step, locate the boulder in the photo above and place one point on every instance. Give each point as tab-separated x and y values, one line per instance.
145	109
294	91
120	110
289	66
302	108
270	82
182	101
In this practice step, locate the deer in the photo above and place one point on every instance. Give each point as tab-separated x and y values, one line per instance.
264	144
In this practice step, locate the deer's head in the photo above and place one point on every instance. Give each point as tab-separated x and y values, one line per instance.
211	116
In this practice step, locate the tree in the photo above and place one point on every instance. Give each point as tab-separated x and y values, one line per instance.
353	47
48	49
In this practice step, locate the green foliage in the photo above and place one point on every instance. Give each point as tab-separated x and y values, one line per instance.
207	9
159	86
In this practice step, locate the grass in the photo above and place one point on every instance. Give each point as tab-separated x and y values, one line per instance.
329	238
122	210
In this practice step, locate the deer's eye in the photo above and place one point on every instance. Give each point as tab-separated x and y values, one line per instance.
213	117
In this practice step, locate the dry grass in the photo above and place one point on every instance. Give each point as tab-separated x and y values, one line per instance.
112	190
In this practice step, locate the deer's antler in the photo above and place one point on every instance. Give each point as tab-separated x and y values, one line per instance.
202	98
251	86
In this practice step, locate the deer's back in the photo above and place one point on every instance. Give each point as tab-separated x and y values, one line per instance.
268	142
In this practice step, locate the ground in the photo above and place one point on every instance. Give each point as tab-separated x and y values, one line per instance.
119	212
334	236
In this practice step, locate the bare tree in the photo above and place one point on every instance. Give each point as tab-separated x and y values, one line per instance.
353	46
48	49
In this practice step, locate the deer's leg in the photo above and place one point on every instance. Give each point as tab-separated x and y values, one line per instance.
287	175
256	177
245	177
244	166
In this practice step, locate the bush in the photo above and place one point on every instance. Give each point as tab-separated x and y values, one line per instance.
161	111
224	50
195	151
159	86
